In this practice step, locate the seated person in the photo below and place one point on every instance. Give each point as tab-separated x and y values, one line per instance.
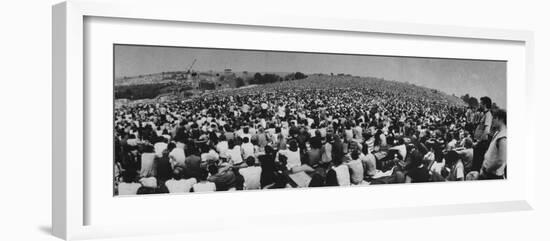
467	154
417	171
251	174
369	162
356	168
179	185
342	172
149	185
204	185
456	166
128	186
222	176
293	160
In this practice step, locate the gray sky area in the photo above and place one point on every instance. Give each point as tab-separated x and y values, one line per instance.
453	76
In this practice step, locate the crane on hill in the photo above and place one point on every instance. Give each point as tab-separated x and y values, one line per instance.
191	66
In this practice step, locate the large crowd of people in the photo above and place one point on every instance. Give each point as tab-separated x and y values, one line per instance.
296	136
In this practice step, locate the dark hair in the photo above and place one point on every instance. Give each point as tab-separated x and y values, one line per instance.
279	181
203	175
145	190
177	173
171	146
246	140
337	160
416	158
500	114
213	169
250	161
283	159
355	155
365	148
293	145
468	143
231	144
316	142
486	101
128	176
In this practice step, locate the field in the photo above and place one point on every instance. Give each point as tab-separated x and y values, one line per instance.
350	83
173	91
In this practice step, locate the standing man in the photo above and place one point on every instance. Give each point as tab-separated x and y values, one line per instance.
482	132
494	164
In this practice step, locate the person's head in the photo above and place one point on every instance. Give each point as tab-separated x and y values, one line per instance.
337	160
246	140
486	103
203	175
365	148
283	159
171	146
250	161
213	169
146	190
293	145
128	176
416	158
279	181
231	144
355	155
468	143
316	142
177	174
499	118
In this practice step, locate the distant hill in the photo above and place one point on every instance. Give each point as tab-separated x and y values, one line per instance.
323	81
165	85
174	76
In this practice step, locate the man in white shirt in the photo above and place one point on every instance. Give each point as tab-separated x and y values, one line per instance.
356	167
204	185
128	186
251	174
247	148
178	185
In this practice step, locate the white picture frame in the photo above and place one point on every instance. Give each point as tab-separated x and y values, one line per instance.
70	190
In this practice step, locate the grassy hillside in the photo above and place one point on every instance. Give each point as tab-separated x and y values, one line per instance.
320	81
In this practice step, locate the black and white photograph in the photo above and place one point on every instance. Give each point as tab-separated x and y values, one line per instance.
195	120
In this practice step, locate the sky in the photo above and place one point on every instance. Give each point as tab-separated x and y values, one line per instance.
454	76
